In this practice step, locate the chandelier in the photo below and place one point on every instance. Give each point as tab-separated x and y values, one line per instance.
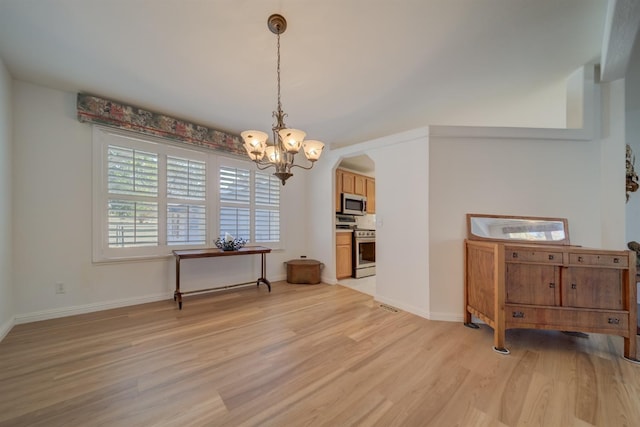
286	142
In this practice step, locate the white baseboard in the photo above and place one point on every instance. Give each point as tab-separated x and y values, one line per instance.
405	307
88	308
99	306
447	317
6	327
328	280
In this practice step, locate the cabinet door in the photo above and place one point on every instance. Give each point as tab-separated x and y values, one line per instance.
360	187
592	288
532	284
339	175
371	195
348	182
343	261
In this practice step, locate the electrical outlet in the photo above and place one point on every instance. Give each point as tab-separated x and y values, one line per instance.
60	288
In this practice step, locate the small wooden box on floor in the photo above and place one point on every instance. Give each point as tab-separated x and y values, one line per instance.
303	271
545	283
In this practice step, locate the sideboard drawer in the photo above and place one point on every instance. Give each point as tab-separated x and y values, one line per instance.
600	321
599	259
523	255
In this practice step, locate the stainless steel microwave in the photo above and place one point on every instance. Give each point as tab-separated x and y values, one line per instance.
352	204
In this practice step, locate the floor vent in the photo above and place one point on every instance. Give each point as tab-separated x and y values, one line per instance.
389	308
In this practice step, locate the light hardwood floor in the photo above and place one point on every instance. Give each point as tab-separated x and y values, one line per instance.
304	355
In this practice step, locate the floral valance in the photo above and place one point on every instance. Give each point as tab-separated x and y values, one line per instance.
92	109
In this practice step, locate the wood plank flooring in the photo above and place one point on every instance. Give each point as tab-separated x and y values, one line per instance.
304	355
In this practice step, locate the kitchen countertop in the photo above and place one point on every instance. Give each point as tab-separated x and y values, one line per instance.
344	230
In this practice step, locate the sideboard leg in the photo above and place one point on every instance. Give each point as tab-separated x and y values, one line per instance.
630	349
501	350
498	340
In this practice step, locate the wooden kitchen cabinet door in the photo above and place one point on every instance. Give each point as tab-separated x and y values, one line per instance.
371	195
359	186
344	264
348	182
339	176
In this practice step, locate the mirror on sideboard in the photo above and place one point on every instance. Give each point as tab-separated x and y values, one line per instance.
527	229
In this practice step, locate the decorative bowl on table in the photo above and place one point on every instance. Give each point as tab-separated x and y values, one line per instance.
227	244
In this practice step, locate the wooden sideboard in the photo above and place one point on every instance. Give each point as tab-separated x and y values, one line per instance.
550	286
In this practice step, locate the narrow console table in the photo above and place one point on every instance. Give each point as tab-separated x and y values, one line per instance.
215	252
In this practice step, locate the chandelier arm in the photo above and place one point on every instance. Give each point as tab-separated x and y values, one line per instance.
302	167
263	166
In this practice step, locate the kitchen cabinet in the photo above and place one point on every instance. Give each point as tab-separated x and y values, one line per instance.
538	285
353	183
344	264
370	185
359	186
339	176
348	182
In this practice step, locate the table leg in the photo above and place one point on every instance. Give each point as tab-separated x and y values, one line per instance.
177	295
263	274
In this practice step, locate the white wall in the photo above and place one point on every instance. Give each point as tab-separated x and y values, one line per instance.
507	177
632	136
445	172
402	257
6	206
544	106
52	223
530	172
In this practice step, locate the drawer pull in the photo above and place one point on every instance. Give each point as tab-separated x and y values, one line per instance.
519	314
514	255
614	321
550	257
552	285
580	259
616	260
574	286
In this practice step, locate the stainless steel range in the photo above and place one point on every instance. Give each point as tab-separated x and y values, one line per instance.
364	253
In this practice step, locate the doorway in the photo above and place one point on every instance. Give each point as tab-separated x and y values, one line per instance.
356	175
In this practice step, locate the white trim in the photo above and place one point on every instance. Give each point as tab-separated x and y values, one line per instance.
478	132
447	317
88	308
405	307
6	327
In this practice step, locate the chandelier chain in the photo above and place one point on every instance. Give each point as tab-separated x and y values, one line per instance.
280	154
278	72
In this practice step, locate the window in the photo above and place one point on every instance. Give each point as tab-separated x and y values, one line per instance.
151	197
186	201
267	208
249	204
132	182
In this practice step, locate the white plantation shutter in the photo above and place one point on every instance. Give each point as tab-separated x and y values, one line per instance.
267	212
186	179
235	221
132	206
235	197
249	204
186	207
234	185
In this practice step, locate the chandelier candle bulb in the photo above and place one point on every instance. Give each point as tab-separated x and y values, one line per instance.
286	142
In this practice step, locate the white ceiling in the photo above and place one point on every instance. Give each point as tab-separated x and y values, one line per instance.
352	70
